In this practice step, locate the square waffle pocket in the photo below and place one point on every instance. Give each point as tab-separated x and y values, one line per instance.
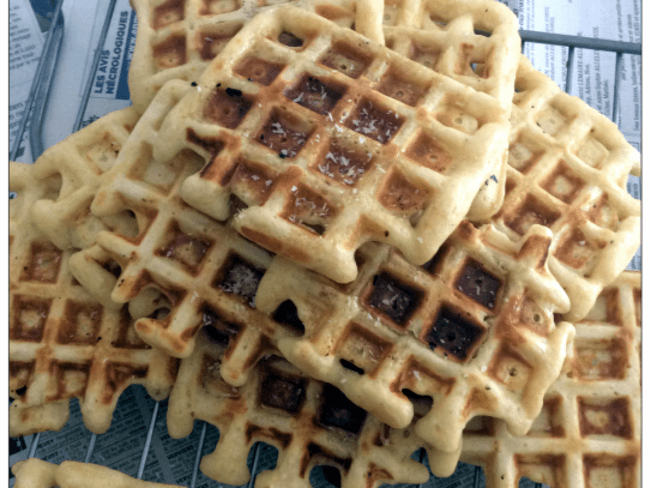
473	330
62	343
589	431
321	159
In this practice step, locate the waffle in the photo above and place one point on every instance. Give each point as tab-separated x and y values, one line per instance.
182	278
475	43
131	161
568	167
334	161
179	262
177	39
309	422
73	167
589	432
34	473
62	343
472	42
472	329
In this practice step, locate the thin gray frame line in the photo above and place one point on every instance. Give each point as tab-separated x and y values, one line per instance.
45	84
147	442
32	448
91	447
477	476
569	69
36	82
579	41
617	84
199	452
256	456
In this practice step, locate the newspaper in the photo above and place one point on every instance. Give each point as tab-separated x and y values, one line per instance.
172	461
25	46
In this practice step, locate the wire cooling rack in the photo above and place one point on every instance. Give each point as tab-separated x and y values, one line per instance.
471	475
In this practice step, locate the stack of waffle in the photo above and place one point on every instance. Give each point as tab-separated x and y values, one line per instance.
348	229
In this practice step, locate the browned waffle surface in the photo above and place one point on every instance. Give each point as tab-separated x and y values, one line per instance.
471	41
589	432
177	38
321	160
65	345
62	343
473	329
309	422
72	168
179	268
474	42
567	170
34	473
184	271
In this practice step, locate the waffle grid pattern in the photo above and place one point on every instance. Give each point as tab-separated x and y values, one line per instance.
471	42
311	210
170	263
73	166
65	345
567	170
173	265
176	39
310	424
589	432
491	328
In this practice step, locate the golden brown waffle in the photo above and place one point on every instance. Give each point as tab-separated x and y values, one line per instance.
199	279
199	269
474	42
567	169
73	167
309	422
194	266
589	432
177	38
62	343
335	160
34	473
131	161
473	329
178	274
21	235
470	41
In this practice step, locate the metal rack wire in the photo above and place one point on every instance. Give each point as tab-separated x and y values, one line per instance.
571	42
